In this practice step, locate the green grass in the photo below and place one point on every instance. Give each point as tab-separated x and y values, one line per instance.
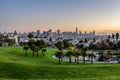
14	65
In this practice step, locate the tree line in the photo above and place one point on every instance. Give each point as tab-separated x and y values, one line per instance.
72	52
35	46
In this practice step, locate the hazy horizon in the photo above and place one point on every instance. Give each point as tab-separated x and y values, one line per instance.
66	15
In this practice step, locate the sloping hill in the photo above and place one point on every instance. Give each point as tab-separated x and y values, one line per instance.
14	65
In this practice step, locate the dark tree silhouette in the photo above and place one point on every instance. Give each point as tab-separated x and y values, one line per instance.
60	45
117	36
59	55
113	36
26	47
91	56
69	54
84	54
30	35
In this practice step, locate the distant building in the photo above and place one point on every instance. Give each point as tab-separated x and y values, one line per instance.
58	31
77	30
80	32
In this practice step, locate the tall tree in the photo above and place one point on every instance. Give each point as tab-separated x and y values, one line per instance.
40	43
118	44
91	56
36	49
66	43
33	48
30	35
69	54
26	47
43	51
110	45
92	46
77	54
117	36
59	55
30	43
84	54
109	36
60	45
113	36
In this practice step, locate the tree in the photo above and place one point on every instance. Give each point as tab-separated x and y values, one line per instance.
113	36
59	55
43	51
117	36
92	46
79	46
77	54
30	43
66	43
30	35
36	49
71	48
60	45
40	43
86	40
109	52
91	56
26	47
33	48
101	56
109	36
118	44
110	45
84	49
69	54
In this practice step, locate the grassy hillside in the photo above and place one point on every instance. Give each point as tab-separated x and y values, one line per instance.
14	65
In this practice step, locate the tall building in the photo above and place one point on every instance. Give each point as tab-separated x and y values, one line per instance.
50	32
58	31
76	29
38	33
15	32
80	32
94	32
85	33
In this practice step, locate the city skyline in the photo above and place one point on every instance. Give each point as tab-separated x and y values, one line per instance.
87	15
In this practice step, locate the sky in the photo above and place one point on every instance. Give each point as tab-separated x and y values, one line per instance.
66	15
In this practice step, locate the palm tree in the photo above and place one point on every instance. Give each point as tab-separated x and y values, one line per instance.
91	56
40	43
30	43
118	44
59	55
33	48
117	36
66	44
109	36
77	54
26	47
84	49
110	45
43	51
69	54
36	50
101	56
113	36
60	45
30	35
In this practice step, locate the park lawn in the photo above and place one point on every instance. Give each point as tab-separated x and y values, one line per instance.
14	65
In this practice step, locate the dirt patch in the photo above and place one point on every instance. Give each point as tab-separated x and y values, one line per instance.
15	58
